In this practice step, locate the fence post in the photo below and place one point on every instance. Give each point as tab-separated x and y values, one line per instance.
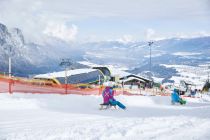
65	88
10	85
101	89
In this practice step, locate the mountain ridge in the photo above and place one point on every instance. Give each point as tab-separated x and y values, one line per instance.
32	58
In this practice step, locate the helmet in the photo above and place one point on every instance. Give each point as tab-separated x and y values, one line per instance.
108	84
176	90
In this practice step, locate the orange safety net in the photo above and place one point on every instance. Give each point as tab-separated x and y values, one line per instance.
23	85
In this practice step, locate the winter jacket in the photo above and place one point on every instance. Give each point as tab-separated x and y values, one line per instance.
108	94
175	96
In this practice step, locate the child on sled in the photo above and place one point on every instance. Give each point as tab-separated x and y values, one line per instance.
175	98
108	96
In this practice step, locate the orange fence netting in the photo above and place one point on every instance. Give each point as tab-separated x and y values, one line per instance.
24	85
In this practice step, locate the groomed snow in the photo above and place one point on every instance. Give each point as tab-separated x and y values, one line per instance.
65	117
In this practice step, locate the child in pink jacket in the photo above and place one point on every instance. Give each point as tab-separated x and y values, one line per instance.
108	96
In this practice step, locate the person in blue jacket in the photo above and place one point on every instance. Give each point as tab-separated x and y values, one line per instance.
175	98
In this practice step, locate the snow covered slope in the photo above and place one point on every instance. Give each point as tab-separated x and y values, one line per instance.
53	117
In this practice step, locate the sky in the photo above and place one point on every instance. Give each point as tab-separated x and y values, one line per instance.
106	20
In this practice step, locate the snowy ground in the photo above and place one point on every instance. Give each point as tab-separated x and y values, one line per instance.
65	117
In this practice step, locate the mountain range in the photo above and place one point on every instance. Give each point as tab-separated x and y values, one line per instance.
30	58
33	58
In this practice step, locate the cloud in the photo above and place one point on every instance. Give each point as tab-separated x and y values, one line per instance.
33	16
61	31
150	34
192	35
126	39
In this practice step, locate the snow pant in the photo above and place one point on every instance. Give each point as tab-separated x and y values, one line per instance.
181	101
114	102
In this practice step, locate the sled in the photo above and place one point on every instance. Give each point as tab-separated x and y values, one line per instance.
106	106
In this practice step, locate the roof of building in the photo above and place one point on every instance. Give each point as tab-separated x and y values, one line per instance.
136	76
133	78
62	73
118	72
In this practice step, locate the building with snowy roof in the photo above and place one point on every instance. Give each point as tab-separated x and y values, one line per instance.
122	77
76	76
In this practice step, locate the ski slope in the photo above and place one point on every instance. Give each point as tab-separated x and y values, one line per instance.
65	117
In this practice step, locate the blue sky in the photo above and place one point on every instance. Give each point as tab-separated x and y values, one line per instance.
101	20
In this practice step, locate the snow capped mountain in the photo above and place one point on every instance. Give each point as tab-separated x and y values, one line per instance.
25	57
17	37
135	55
4	35
32	58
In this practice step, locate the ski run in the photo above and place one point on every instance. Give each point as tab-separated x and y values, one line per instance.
76	117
